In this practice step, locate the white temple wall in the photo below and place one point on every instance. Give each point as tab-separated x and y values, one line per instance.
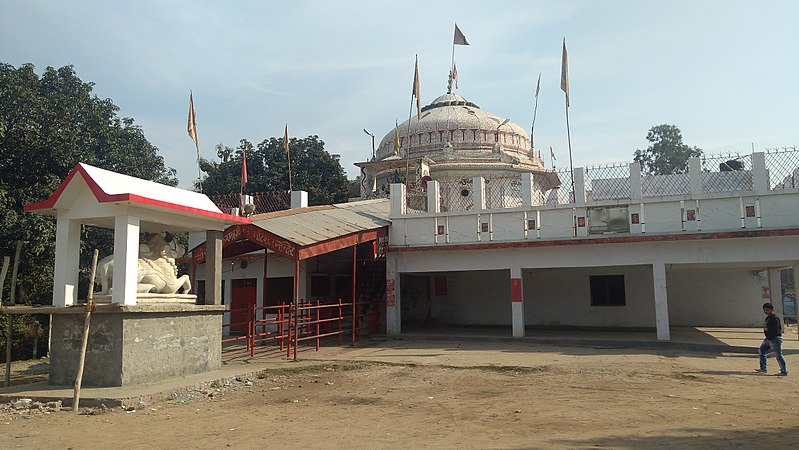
563	297
715	297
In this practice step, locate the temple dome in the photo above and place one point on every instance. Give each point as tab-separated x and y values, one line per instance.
452	120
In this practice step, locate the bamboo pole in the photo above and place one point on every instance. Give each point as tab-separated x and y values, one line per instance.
87	321
14	274
9	323
3	273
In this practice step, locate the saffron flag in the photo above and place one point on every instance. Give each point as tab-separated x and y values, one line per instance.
243	167
416	87
538	85
455	74
396	138
459	39
286	138
192	128
564	73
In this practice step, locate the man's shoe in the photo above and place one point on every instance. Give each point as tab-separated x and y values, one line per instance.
781	374
761	370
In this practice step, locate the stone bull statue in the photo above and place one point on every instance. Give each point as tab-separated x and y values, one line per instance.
157	269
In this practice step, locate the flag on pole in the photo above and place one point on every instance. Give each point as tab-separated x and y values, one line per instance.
459	38
396	138
286	138
538	85
455	75
564	73
416	87
552	153
192	128
243	167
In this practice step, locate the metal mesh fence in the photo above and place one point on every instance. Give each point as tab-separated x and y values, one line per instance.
726	173
610	181
563	194
456	194
504	192
264	201
782	165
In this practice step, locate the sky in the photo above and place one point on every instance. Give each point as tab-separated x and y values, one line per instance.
725	72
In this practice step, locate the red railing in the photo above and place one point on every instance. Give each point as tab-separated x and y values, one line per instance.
285	327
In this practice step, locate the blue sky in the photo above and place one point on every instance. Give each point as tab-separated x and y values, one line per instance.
725	72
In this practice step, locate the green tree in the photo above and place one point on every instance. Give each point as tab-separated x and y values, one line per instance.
667	154
312	168
49	124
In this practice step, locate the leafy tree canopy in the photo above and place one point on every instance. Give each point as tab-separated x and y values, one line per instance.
313	170
48	124
667	154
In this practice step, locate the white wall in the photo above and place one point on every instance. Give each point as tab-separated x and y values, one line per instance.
563	297
717	297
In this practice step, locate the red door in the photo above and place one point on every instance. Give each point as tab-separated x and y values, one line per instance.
243	291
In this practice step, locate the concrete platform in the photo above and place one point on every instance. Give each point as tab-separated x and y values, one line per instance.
714	341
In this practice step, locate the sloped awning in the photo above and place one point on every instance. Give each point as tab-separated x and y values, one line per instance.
302	233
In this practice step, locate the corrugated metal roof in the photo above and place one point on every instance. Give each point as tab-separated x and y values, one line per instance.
306	226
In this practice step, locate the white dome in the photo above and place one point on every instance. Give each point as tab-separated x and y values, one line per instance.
451	119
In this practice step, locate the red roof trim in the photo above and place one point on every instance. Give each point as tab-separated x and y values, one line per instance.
602	240
104	197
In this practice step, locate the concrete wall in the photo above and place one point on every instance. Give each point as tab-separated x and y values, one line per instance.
563	297
472	298
134	348
726	298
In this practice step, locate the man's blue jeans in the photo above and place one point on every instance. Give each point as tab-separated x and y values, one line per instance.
776	345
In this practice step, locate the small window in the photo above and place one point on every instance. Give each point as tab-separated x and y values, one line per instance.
607	290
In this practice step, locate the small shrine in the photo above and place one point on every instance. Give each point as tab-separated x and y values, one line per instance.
147	325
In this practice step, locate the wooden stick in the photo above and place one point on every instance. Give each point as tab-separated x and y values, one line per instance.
86	322
14	273
3	272
8	349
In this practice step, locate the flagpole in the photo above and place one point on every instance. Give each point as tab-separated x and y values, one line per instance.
535	111
451	65
288	153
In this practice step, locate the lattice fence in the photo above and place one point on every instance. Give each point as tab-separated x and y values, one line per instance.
416	197
783	168
504	192
456	194
608	181
264	201
563	194
727	173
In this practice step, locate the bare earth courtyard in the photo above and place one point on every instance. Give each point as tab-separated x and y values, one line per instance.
454	394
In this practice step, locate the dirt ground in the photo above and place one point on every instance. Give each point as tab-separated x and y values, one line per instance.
456	395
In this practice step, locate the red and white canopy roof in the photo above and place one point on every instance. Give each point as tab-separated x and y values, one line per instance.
95	196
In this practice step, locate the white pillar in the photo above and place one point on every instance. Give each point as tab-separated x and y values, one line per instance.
433	197
299	199
661	301
636	183
760	173
517	301
397	197
775	292
213	267
478	193
126	259
527	190
393	311
303	285
579	186
67	260
695	176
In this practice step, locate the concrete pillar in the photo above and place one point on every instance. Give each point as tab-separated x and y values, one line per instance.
393	311
661	301
299	199
433	197
579	186
775	292
479	193
759	173
527	190
67	260
303	284
126	259
398	202
213	267
695	176
636	183
517	301
796	301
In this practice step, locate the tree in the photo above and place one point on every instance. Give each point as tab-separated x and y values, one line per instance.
49	124
667	154
312	168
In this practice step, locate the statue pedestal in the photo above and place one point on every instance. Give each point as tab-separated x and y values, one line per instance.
133	344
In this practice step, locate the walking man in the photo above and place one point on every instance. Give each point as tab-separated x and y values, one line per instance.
772	328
